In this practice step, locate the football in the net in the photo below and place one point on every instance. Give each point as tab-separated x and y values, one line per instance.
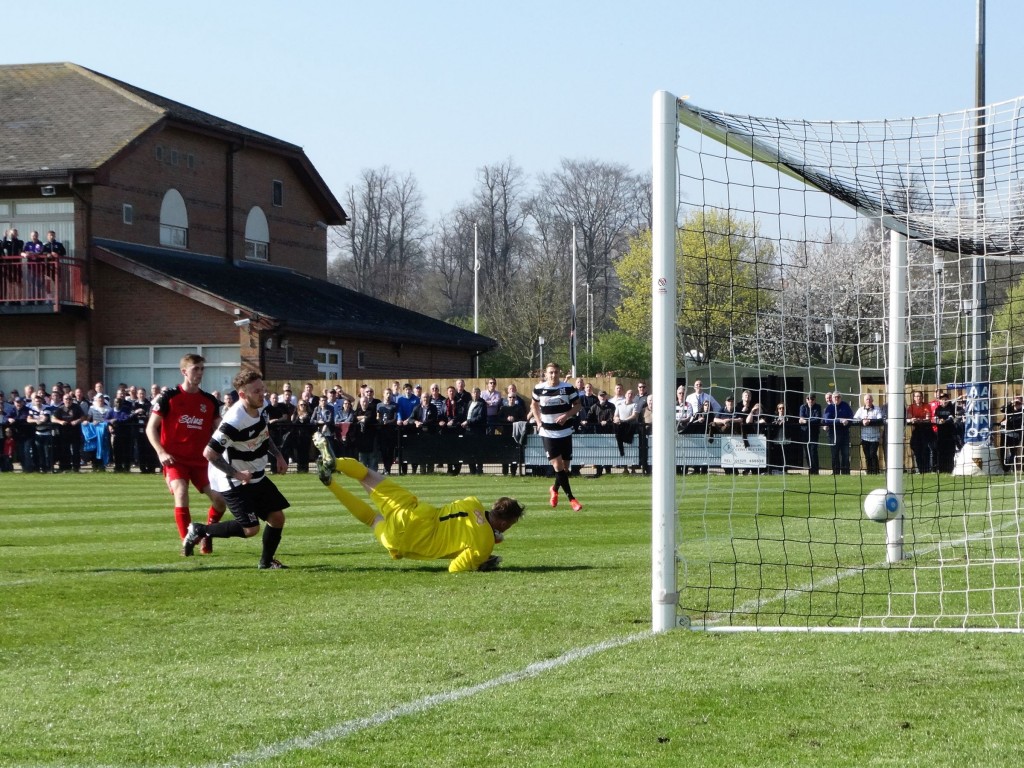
880	505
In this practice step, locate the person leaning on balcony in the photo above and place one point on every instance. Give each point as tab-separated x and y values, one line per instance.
33	251
10	271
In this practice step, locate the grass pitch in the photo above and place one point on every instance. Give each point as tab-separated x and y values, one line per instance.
115	651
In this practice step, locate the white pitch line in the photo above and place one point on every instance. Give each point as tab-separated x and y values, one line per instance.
350	727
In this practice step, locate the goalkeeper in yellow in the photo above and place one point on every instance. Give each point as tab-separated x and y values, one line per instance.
462	531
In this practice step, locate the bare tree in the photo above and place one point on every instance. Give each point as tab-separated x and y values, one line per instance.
450	265
384	242
500	213
606	203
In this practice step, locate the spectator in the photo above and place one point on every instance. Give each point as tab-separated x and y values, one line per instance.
302	434
142	406
121	432
837	417
40	415
602	416
698	397
387	430
1013	426
922	438
454	418
944	424
587	402
366	431
809	423
871	419
475	424
684	412
782	439
625	425
425	421
279	424
492	399
68	418
512	416
11	287
99	416
324	418
7	450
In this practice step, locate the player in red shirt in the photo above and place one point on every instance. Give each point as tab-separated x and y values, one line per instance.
180	425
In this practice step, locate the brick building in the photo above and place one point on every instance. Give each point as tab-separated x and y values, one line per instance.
184	232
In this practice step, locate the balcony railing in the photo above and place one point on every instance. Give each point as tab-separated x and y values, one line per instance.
42	281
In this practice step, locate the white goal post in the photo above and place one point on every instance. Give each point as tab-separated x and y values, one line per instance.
749	214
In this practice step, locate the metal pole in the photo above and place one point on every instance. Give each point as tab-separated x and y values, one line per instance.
896	405
979	372
476	293
664	578
572	339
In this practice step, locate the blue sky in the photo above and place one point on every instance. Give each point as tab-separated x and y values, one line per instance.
439	89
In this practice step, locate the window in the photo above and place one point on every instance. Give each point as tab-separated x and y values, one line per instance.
277	193
173	220
328	363
159	153
127	214
257	235
361	359
174	157
143	366
289	355
30	365
190	161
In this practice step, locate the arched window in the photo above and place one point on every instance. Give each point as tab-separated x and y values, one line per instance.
173	220
257	235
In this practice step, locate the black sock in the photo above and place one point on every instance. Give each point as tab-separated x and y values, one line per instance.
224	530
271	538
562	479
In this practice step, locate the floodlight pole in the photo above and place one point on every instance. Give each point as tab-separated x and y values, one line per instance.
664	587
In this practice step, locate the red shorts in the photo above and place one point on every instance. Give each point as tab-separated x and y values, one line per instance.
197	474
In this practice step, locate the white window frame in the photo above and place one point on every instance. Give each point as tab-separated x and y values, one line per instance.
329	363
218	376
173	220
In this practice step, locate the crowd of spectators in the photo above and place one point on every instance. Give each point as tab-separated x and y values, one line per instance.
63	428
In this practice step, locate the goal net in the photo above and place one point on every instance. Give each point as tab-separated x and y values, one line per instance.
846	261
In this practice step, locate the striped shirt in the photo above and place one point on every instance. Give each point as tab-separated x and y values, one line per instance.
244	442
553	402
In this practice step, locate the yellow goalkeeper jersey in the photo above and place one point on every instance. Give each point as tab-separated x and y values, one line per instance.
418	531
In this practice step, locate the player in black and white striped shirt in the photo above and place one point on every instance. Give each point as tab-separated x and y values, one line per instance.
555	403
239	452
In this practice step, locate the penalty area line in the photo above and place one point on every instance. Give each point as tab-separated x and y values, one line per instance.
350	727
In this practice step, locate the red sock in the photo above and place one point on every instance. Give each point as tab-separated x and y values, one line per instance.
182	518
213	516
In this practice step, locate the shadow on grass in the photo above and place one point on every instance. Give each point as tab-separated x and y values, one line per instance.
432	567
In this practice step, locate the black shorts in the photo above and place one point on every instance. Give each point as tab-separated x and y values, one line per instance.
253	502
556	447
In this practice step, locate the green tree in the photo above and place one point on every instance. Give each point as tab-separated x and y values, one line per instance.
1006	342
725	278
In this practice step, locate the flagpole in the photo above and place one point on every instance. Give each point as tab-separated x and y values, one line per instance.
572	334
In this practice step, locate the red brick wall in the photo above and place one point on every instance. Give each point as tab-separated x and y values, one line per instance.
139	179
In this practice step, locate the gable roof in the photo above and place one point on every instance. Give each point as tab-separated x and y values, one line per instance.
59	120
289	300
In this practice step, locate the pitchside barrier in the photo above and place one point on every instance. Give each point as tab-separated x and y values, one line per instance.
718	451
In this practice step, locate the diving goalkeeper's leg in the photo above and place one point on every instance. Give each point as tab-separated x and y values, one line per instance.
362	511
